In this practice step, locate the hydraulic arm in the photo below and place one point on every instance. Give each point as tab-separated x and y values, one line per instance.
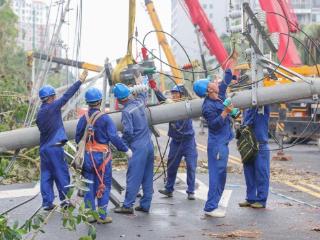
163	41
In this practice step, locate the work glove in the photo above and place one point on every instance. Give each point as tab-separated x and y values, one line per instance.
227	102
129	153
227	105
235	113
153	84
83	76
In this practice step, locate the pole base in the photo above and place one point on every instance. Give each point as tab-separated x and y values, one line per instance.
281	156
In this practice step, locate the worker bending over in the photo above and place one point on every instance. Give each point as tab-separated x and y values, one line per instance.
53	167
257	171
99	130
137	135
182	144
217	115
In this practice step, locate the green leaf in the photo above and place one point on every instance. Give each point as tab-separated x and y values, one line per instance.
92	232
64	222
70	193
79	219
86	238
101	211
15	225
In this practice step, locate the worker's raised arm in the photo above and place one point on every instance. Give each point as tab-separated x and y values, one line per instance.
153	85
225	83
59	103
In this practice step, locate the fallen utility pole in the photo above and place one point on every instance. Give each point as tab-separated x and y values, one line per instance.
29	137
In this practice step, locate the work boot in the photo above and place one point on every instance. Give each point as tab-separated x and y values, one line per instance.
123	210
245	204
49	208
91	219
257	205
218	213
140	209
105	221
165	192
191	196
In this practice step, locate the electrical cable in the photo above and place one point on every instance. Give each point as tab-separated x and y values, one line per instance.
181	46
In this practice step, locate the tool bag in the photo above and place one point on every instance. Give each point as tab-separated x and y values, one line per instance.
247	144
77	163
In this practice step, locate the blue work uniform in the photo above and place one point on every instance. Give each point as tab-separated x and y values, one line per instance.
257	173
105	132
137	135
53	166
183	144
220	134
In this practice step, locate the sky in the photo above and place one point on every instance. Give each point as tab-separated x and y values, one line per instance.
105	27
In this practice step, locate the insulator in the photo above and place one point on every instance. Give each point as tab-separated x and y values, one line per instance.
139	88
275	39
235	14
236	29
261	16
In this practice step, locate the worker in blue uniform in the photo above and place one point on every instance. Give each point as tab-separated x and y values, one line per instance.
220	134
53	167
137	136
99	130
257	172
182	144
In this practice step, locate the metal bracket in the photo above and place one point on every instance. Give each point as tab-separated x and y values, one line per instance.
188	108
252	42
315	97
259	27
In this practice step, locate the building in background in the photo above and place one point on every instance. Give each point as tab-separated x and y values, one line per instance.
32	23
307	11
183	30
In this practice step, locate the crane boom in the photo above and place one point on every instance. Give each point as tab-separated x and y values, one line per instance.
287	51
200	19
163	42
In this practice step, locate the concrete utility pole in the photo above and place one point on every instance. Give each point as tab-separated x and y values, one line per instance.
29	137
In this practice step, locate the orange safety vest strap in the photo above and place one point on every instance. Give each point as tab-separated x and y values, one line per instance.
93	145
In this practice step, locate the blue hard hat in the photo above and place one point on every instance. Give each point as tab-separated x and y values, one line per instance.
46	91
121	91
200	87
93	95
177	88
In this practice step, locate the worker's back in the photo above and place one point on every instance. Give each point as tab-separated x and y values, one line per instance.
49	122
134	119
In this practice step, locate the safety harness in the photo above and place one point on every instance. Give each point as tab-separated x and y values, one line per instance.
93	146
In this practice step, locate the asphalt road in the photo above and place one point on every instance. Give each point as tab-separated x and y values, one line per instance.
293	210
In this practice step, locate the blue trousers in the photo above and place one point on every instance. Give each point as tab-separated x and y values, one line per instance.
140	172
53	168
188	150
257	175
90	174
217	162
